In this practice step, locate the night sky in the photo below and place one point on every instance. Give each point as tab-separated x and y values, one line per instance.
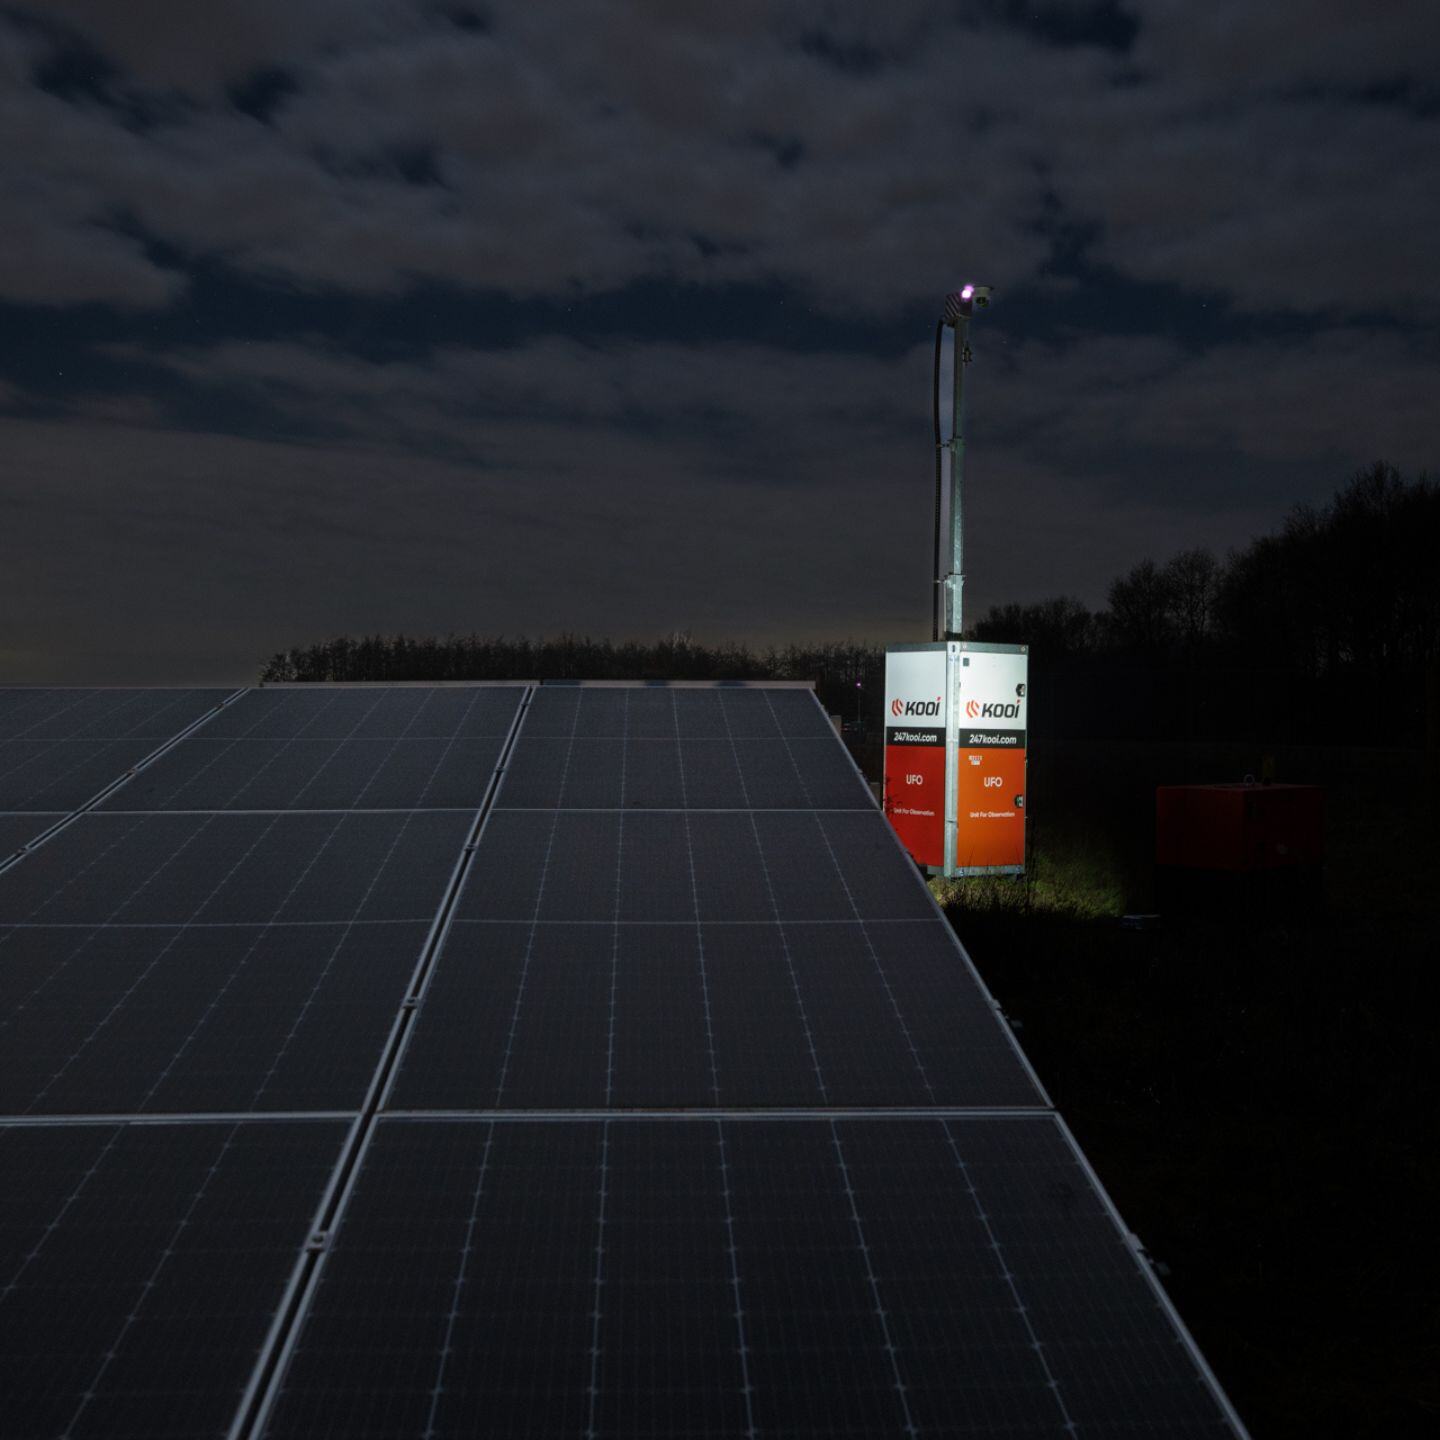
325	316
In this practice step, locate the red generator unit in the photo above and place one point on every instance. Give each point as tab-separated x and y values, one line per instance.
1253	842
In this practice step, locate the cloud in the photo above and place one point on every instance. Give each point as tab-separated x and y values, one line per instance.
1233	46
561	167
1332	402
419	141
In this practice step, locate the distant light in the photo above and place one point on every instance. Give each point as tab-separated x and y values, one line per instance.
967	292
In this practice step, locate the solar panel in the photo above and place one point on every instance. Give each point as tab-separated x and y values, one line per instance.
371	749
198	868
573	1059
210	1018
644	957
141	1266
60	748
732	1277
38	715
164	955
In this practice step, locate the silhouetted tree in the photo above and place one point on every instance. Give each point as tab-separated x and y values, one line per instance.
1351	586
1140	618
1054	629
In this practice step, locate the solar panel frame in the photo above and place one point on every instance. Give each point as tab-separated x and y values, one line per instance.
19	828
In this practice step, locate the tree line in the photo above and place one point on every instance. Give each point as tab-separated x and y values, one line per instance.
840	669
1328	629
1350	586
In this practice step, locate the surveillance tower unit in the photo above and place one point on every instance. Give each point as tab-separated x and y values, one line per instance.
955	710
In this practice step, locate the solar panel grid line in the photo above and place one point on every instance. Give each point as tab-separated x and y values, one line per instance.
312	810
160	1119
676	685
959	945
271	924
732	1112
308	687
710	922
261	1391
1152	1280
99	798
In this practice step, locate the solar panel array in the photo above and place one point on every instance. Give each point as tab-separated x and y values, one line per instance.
582	1060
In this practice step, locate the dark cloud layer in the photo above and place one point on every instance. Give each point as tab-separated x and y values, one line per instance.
338	316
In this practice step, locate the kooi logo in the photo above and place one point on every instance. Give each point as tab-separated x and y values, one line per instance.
915	707
992	710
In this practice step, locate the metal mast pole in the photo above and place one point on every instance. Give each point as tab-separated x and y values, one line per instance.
959	308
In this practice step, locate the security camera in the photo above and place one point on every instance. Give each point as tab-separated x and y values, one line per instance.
964	301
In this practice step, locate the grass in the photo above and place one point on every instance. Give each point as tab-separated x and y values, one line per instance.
1071	873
